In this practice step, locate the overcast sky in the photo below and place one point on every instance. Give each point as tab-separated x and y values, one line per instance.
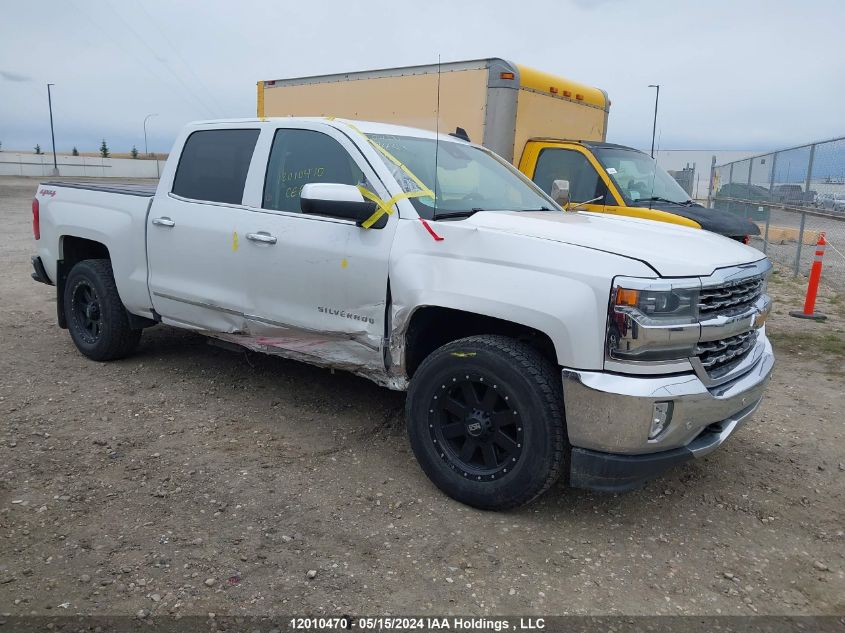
735	74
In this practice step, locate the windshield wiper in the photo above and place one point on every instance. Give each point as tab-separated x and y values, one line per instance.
458	214
468	212
685	203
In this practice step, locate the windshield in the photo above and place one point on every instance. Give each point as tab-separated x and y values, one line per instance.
468	178
638	177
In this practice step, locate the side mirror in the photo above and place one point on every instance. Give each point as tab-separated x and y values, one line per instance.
338	201
560	192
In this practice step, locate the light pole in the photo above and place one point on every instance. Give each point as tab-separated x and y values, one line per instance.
145	132
654	126
52	134
146	151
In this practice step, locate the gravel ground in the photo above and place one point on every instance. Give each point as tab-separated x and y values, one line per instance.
188	479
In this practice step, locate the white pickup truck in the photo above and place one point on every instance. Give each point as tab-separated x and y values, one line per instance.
533	342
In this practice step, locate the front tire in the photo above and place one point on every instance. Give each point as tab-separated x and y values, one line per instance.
485	421
96	317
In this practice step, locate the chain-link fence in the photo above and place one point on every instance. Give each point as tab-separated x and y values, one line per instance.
793	195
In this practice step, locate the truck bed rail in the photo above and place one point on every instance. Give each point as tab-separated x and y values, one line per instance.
128	189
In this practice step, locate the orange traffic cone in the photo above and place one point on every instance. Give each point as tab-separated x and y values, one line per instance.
809	311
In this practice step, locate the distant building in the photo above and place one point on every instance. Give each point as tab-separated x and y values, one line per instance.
685	178
691	167
677	159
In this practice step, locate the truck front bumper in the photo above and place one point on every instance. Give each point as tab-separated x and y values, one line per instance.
609	418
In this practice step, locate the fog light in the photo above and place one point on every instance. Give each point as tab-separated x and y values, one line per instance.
661	415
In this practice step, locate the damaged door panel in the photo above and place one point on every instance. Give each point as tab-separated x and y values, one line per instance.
346	352
319	287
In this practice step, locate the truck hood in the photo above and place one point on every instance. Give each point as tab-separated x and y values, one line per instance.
671	250
716	220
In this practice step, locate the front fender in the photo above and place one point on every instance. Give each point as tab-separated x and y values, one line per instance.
559	289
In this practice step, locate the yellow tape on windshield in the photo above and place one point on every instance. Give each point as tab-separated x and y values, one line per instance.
393	160
385	207
401	166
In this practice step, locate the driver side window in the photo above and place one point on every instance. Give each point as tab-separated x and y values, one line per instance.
565	164
299	157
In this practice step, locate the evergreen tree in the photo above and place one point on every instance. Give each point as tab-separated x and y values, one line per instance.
38	149
75	152
104	149
134	152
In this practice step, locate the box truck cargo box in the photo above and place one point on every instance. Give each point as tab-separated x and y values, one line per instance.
551	128
500	105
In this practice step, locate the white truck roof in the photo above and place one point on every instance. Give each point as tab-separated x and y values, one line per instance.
368	127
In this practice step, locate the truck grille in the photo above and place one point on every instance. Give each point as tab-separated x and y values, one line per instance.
729	299
720	357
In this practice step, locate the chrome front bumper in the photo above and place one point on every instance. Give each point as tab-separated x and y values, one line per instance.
609	416
612	413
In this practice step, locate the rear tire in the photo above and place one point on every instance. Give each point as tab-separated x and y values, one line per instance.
485	421
96	317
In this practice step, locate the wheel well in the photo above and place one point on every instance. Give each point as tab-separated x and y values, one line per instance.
74	250
432	327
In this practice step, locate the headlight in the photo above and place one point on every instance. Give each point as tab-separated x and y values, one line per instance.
663	304
653	323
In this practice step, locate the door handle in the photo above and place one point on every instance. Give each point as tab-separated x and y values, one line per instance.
261	236
164	222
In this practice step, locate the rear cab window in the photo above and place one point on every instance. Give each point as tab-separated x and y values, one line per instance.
213	165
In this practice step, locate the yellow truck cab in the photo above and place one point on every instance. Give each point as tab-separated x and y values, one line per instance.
526	116
610	178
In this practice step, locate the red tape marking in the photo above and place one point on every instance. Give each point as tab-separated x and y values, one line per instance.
431	232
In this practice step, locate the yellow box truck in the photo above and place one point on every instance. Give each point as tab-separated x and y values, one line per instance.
550	127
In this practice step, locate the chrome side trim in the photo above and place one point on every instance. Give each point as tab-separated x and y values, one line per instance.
258	319
199	304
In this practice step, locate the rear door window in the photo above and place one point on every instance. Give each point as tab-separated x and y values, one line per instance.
214	164
299	157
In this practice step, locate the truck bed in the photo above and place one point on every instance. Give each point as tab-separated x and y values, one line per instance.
145	190
113	214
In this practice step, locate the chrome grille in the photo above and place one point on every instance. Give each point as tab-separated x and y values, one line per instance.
720	357
729	299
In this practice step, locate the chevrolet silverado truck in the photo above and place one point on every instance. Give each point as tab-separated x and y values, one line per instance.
533	342
550	127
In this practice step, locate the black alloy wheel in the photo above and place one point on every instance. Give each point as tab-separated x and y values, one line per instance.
96	317
485	421
475	426
86	312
